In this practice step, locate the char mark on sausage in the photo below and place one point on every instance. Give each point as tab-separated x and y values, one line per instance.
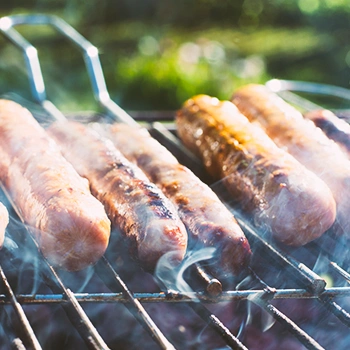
135	205
208	221
264	180
302	139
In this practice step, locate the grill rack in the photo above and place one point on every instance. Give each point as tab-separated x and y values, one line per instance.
310	284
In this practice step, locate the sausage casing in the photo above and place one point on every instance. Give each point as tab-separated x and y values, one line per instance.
301	138
263	179
335	128
4	220
70	226
208	221
135	205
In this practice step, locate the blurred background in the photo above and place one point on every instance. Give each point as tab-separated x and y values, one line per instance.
157	53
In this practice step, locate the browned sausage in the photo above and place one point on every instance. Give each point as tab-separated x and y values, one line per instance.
134	204
301	138
4	220
70	226
266	181
208	221
335	128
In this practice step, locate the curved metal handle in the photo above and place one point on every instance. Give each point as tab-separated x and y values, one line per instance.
90	54
32	61
287	88
304	86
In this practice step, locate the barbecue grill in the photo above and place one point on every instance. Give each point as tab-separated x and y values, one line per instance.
289	298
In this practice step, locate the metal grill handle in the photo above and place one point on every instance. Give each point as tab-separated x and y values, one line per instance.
286	89
91	58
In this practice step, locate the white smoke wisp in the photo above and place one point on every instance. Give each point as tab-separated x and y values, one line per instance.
172	277
267	320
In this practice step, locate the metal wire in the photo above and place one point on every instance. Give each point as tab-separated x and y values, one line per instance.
72	307
111	278
315	286
33	341
279	85
90	53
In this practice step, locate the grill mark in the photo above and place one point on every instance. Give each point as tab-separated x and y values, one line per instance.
156	202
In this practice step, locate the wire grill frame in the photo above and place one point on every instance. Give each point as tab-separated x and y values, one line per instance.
314	286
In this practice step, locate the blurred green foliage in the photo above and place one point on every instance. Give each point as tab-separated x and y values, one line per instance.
156	54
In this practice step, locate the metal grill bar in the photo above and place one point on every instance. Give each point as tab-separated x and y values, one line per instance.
263	301
336	309
90	55
280	85
304	338
173	297
32	339
6	327
218	326
86	328
113	281
74	312
72	308
210	319
312	281
213	285
341	271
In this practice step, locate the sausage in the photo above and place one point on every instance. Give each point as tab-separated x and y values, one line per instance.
70	226
301	138
4	220
134	204
267	182
335	128
208	221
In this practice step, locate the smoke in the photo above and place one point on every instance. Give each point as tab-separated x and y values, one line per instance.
10	244
265	320
173	278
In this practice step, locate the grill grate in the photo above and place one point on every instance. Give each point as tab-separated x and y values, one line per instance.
255	286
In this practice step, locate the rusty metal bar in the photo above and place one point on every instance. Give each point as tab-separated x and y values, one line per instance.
302	336
263	300
26	327
113	281
174	297
341	271
72	308
218	326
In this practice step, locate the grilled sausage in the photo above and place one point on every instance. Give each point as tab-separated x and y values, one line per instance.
70	226
135	205
265	181
335	128
208	221
301	138
4	220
